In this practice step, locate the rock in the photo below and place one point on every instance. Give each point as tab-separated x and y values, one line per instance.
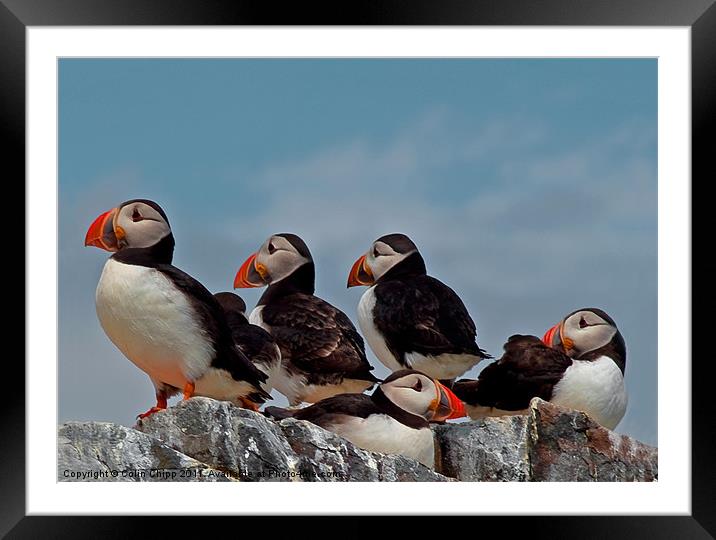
241	442
547	444
252	447
207	440
489	449
568	446
102	452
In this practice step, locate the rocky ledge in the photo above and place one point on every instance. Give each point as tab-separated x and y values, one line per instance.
206	440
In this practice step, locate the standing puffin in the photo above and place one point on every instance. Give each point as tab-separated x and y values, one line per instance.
255	342
410	319
579	364
162	319
393	420
322	353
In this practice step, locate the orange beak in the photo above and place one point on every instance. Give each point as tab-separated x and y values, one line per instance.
554	337
360	274
446	404
251	274
101	233
549	335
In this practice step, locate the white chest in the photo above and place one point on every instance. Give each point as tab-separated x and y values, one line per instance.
381	433
152	323
371	334
594	387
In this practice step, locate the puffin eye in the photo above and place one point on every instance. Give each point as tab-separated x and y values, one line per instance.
582	323
271	248
375	252
418	386
136	216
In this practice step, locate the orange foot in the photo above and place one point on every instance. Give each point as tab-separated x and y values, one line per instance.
248	404
160	406
150	412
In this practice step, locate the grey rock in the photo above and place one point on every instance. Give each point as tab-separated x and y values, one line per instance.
546	444
104	452
207	440
252	447
242	442
491	449
397	468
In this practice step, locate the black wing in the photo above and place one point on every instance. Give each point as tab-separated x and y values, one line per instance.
327	412
228	356
317	338
527	369
426	316
256	343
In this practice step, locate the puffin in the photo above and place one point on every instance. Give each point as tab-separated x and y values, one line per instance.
162	319
322	353
410	319
578	364
255	342
394	419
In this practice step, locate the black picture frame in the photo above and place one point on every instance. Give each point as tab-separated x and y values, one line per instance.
699	15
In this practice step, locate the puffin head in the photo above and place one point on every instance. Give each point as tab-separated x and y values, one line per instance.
231	303
420	395
584	331
279	257
384	255
139	223
234	308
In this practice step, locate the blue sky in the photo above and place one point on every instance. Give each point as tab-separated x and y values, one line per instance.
530	187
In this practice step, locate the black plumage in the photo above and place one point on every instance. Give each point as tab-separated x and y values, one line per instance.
327	411
527	369
316	339
330	411
255	342
417	313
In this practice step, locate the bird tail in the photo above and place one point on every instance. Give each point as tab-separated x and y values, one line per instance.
465	389
260	396
278	413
